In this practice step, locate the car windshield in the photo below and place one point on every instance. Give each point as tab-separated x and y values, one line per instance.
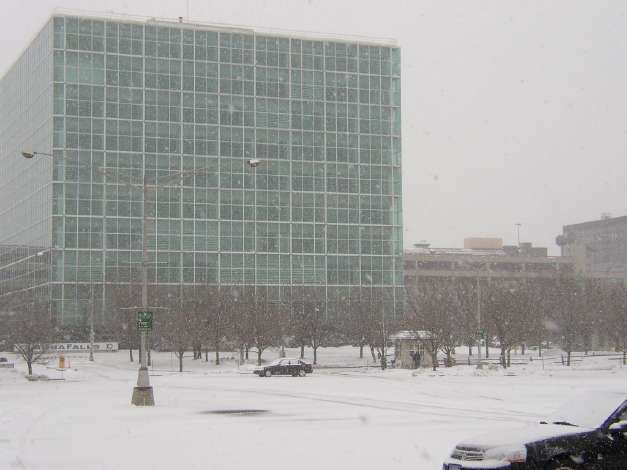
588	410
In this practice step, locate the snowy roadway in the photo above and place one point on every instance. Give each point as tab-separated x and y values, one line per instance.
335	418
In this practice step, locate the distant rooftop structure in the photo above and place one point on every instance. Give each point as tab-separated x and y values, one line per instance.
483	258
476	243
482	247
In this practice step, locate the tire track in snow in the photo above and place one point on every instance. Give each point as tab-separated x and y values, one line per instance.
423	408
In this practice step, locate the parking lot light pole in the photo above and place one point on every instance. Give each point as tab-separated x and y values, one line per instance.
143	394
91	324
254	163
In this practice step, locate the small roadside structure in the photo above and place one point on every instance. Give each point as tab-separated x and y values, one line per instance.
410	350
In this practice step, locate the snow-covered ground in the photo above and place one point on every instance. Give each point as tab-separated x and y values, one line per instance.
360	417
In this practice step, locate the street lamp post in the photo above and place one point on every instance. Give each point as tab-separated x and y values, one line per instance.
91	323
254	163
143	394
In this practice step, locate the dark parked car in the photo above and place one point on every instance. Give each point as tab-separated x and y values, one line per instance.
285	366
590	432
3	359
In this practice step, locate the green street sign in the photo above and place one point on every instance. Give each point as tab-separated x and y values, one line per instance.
144	320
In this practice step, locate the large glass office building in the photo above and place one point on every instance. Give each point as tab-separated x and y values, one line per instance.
185	107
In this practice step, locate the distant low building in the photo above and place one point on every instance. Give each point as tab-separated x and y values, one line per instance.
474	269
598	248
487	261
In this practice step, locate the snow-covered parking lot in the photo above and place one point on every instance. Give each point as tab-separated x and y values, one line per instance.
359	418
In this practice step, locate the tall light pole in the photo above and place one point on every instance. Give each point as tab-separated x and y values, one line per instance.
91	323
142	393
518	225
254	163
479	320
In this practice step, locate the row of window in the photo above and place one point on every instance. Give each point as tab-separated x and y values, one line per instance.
88	34
90	69
232	268
273	143
203	243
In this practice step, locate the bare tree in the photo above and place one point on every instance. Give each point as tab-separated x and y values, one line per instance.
569	314
353	325
178	327
377	324
219	318
507	314
435	307
615	318
539	306
30	330
261	322
308	321
319	329
298	325
121	298
237	327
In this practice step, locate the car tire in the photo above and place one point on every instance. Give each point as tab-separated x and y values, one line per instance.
267	373
302	373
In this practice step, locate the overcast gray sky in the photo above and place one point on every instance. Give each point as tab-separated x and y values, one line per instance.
513	111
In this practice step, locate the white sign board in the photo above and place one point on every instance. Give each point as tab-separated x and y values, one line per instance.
76	347
82	347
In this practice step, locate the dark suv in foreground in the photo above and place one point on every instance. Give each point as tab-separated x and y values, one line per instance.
285	366
590	432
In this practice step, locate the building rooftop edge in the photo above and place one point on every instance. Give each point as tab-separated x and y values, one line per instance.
195	23
486	254
611	220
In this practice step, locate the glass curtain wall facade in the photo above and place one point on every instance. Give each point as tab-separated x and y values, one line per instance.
26	185
133	100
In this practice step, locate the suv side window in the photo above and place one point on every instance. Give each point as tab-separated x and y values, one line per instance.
622	416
